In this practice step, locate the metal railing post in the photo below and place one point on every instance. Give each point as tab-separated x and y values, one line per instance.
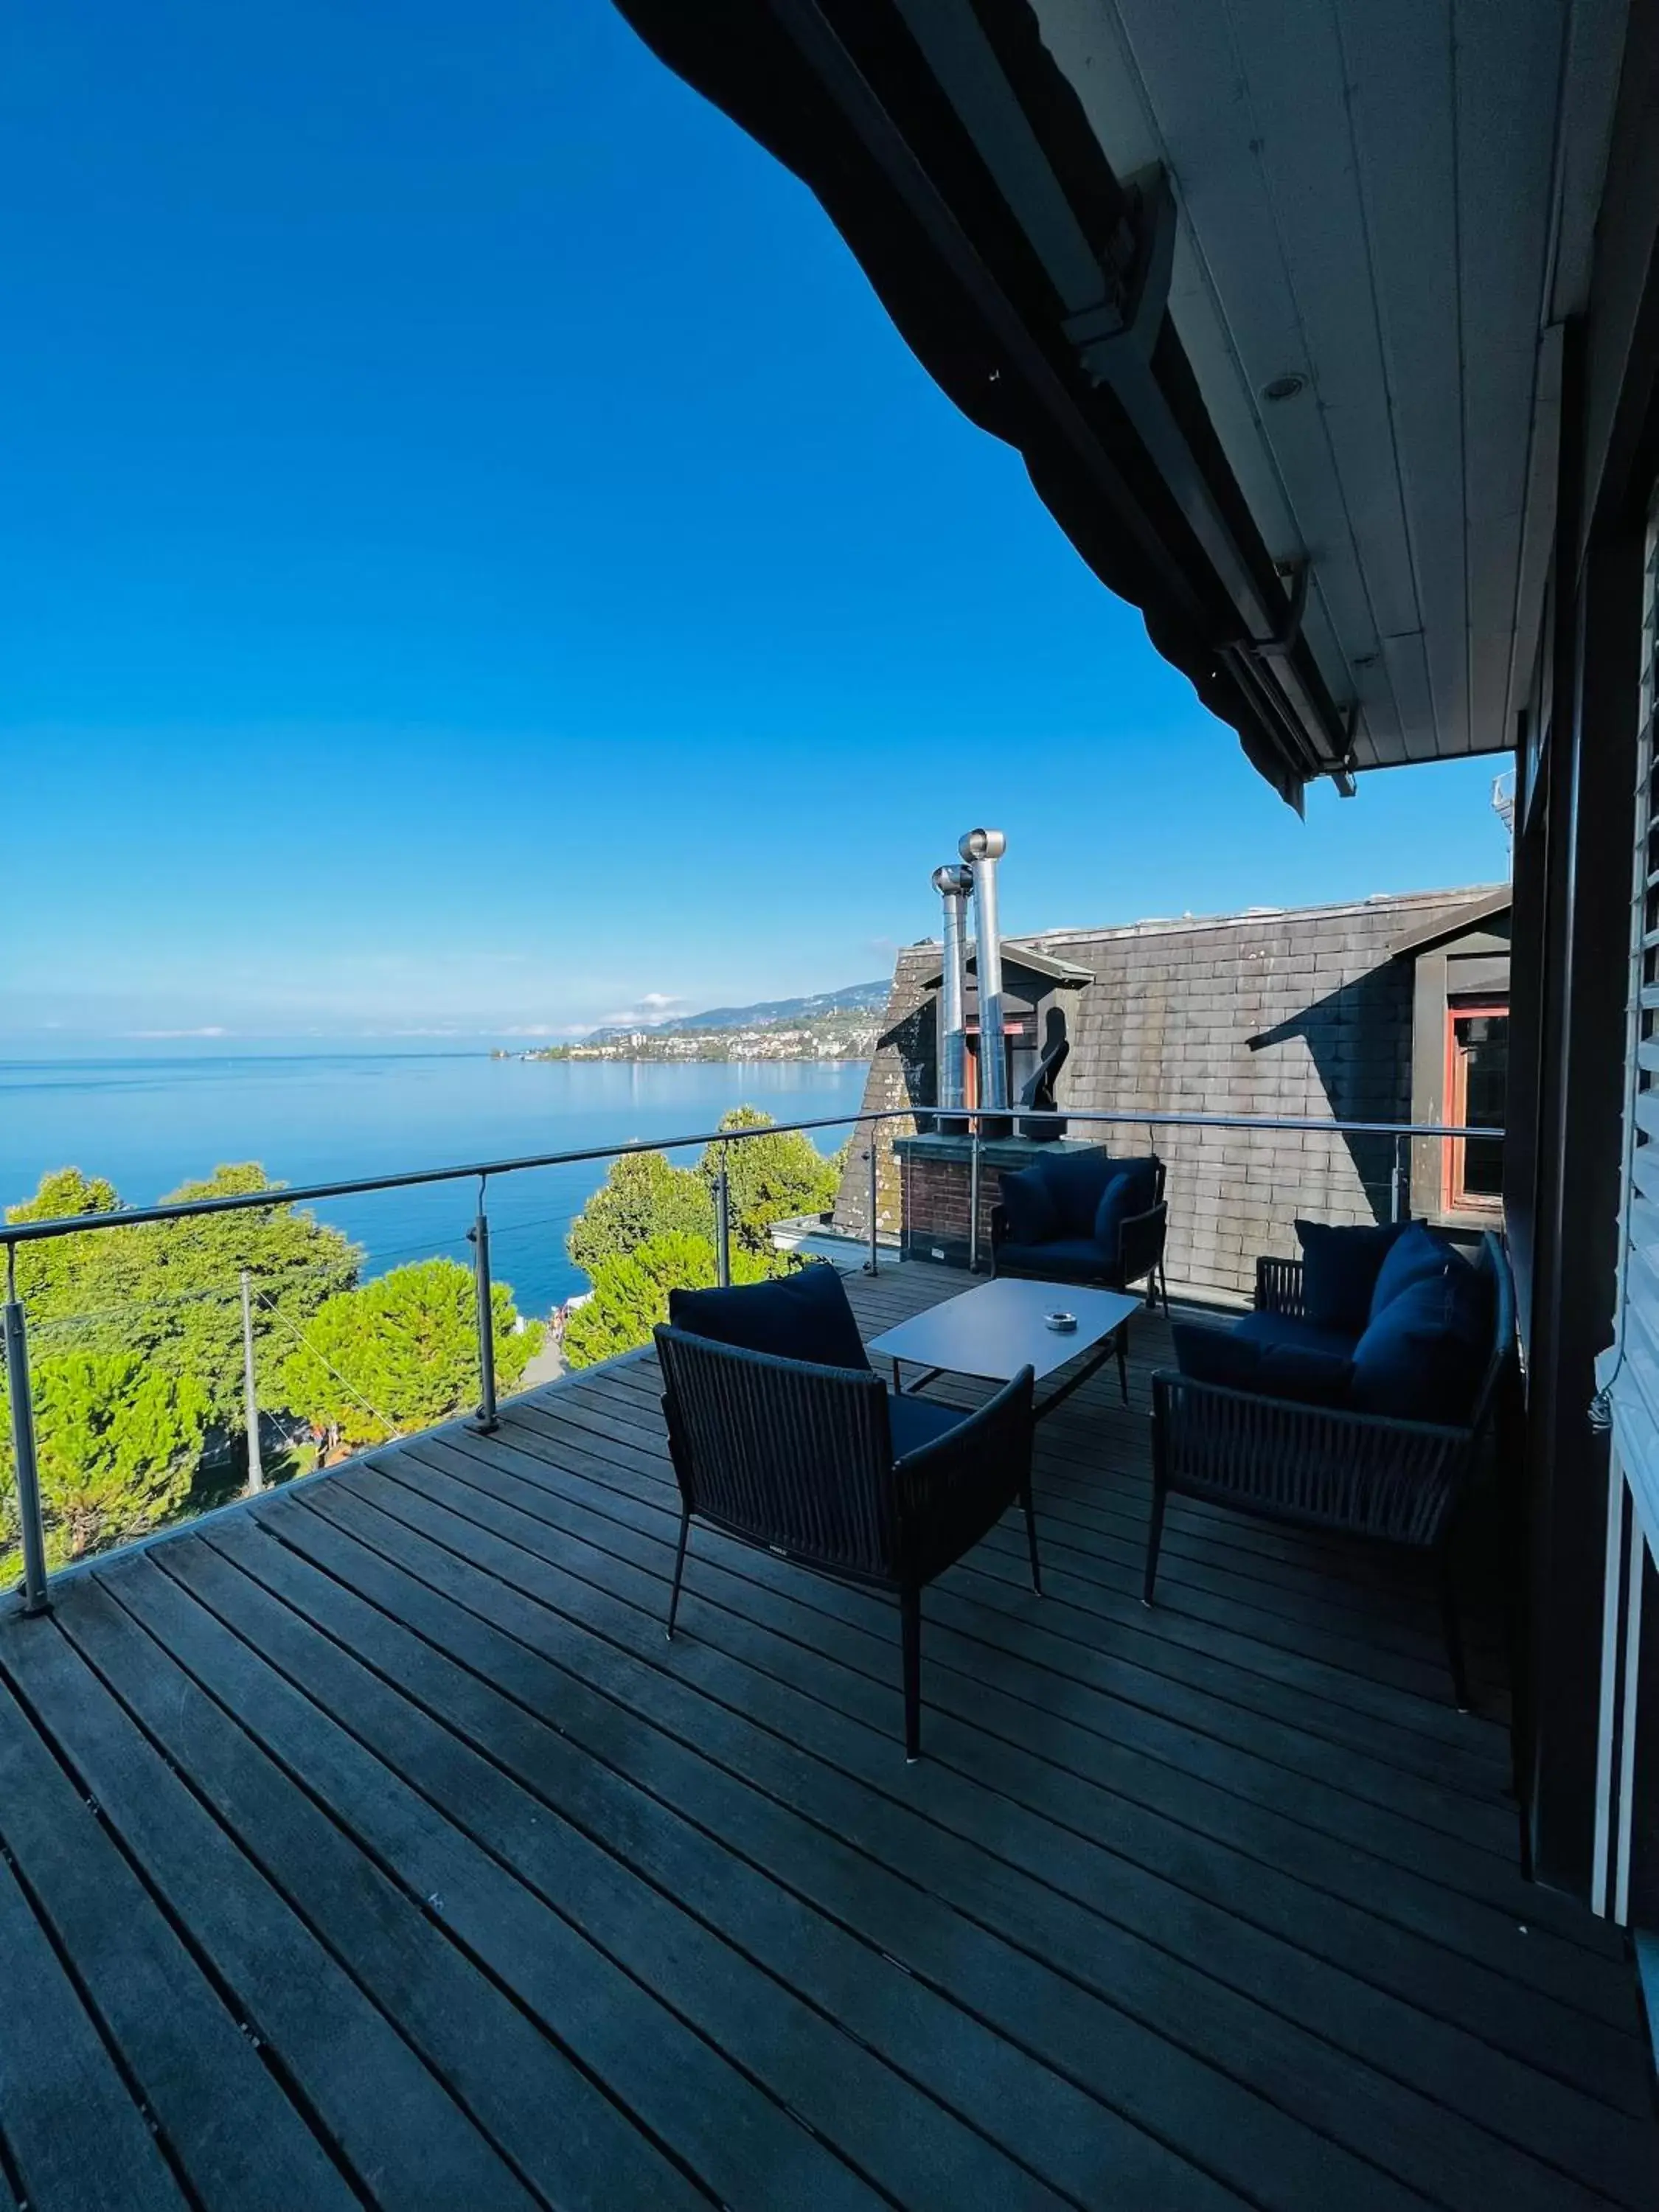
722	1228
478	1238
874	1262
31	1527
973	1200
255	1472
1399	1209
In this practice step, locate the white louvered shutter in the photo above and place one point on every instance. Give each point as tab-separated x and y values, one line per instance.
1629	1373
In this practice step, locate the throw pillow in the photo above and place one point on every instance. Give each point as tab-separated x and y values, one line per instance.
1129	1191
1075	1181
1033	1217
800	1317
1339	1267
1423	1358
1416	1254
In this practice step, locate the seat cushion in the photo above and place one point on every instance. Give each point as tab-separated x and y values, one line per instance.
1131	1190
800	1317
1074	1183
1340	1269
1033	1217
1065	1260
1416	1254
1424	1358
1237	1362
1294	1329
914	1422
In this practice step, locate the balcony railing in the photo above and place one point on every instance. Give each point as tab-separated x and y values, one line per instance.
1374	1183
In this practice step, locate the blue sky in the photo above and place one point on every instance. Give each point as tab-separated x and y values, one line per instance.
479	560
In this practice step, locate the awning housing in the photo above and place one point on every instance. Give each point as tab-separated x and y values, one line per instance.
1268	297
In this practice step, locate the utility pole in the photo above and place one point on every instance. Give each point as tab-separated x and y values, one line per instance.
256	1474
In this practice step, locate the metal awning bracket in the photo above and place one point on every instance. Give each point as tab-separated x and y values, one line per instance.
1288	635
1137	282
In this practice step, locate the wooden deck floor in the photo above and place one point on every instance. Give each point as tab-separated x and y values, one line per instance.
370	1845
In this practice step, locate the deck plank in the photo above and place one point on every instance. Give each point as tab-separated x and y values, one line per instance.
187	2055
1210	1905
399	2130
1148	1927
1034	1762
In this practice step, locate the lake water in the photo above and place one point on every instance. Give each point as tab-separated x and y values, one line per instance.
152	1123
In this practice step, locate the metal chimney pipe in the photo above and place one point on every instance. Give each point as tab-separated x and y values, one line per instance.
955	887
982	850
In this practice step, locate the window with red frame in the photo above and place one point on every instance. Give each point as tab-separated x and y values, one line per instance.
1476	1086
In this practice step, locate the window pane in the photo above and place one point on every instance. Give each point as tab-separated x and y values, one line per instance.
1483	1040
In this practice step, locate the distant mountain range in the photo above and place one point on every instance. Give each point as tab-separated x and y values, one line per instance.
768	1013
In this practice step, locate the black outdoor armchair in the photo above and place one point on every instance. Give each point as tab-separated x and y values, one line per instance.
827	1467
1325	1465
1062	1242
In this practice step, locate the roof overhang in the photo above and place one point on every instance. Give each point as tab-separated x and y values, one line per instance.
1446	928
1064	975
1111	229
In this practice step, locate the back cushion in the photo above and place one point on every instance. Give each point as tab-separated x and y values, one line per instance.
802	1316
1075	1182
1415	1255
1033	1217
1340	1269
1130	1190
1423	1358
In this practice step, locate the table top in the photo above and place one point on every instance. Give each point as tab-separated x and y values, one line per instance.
998	1328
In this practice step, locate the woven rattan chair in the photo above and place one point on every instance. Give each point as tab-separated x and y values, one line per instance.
801	1460
1398	1482
1138	1257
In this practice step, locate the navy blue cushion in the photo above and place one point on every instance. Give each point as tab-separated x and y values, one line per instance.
1131	1190
1027	1201
1423	1358
1269	1329
1064	1260
1075	1181
801	1316
1339	1267
914	1422
1237	1362
1215	1355
1415	1255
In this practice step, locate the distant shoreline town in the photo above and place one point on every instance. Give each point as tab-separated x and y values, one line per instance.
834	1025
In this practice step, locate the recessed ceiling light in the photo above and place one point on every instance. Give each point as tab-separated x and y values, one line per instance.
1283	387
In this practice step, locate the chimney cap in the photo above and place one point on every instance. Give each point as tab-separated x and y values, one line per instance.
982	845
953	881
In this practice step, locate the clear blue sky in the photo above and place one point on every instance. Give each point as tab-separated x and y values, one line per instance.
478	557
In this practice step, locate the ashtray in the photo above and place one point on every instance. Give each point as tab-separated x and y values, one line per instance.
1062	1324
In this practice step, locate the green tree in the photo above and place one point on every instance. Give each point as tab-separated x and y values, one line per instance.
770	1177
172	1290
643	1196
630	1293
117	1443
401	1353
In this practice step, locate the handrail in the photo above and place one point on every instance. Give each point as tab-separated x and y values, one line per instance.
13	1233
36	1595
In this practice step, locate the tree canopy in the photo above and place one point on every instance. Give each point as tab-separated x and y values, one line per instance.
172	1289
135	1335
770	1178
643	1195
401	1353
649	1228
630	1293
117	1444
